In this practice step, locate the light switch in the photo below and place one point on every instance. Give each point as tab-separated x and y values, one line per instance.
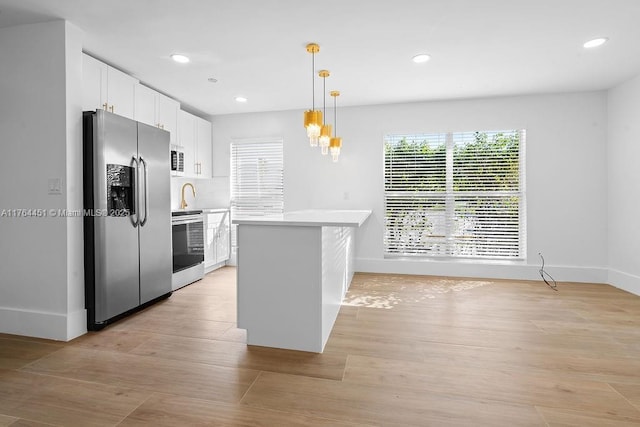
55	185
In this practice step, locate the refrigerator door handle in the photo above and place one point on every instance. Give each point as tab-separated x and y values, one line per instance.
146	192
135	222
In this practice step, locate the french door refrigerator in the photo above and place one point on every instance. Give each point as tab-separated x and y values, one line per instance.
127	217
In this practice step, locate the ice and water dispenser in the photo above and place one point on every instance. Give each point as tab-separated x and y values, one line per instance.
120	190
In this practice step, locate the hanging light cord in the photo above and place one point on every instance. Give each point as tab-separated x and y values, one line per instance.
546	275
313	81
324	99
335	116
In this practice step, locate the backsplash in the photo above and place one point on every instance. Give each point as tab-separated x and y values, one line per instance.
210	193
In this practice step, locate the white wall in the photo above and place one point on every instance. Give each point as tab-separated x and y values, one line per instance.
76	312
624	185
565	160
41	279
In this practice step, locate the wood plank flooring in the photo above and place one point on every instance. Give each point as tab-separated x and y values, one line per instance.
405	350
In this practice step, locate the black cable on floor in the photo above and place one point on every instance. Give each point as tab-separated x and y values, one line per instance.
546	275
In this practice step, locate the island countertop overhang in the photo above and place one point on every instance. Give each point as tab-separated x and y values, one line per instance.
310	218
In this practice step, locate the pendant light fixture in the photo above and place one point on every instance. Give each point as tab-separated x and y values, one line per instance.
335	144
325	130
313	118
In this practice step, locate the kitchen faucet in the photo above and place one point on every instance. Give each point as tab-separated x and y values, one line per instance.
183	202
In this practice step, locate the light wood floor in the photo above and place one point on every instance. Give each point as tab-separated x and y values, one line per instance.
405	350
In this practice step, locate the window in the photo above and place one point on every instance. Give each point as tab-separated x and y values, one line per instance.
256	178
455	195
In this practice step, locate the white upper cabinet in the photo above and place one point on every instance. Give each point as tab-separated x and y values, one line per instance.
94	84
107	88
167	115
187	140
156	109
120	92
110	89
204	158
145	111
194	136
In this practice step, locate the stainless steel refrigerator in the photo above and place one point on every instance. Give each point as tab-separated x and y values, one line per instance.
127	218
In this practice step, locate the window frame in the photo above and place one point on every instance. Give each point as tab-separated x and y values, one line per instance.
278	192
450	244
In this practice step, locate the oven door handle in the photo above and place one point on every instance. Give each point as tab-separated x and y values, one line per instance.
186	221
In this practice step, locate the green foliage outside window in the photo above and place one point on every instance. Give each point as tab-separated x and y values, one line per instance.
471	209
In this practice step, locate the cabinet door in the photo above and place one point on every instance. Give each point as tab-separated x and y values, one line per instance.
222	241
167	115
121	90
203	150
94	83
145	108
186	139
211	230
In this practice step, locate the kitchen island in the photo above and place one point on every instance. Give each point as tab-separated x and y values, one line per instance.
293	272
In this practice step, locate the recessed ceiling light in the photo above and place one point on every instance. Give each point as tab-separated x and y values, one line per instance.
595	42
241	99
423	57
180	58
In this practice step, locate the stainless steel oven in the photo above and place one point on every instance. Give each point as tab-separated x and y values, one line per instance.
188	247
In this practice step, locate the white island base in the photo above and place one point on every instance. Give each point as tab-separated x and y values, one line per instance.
293	272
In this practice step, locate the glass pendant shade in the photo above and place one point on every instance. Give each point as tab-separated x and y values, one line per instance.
313	124
325	138
335	143
334	146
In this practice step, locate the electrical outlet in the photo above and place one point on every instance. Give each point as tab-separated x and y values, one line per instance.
55	186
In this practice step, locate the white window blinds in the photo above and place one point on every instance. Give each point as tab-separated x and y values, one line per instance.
256	178
455	195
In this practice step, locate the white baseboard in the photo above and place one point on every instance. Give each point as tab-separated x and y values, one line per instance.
488	269
233	258
625	281
53	326
212	267
76	324
65	327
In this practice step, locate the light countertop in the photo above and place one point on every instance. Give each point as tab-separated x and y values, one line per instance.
310	218
214	210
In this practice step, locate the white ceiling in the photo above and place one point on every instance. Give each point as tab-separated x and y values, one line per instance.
256	48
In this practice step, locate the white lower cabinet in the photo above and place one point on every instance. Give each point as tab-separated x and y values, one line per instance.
217	238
